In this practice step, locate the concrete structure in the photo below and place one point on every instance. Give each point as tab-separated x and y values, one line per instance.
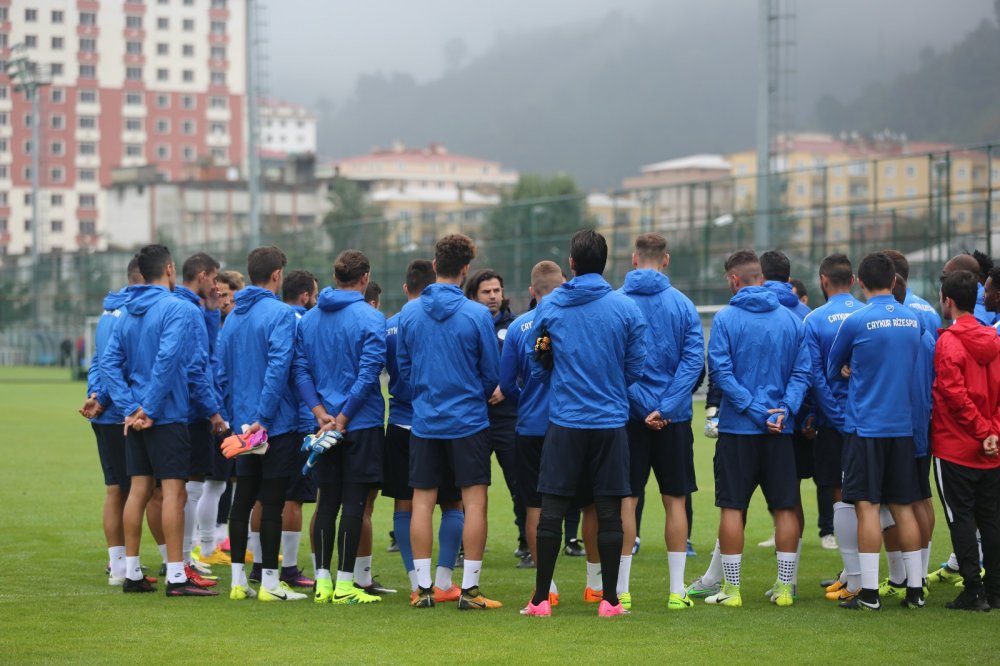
286	129
134	83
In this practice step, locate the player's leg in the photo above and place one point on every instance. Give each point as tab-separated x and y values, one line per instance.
470	460
111	452
640	439
140	492
449	541
957	492
593	593
672	461
206	516
427	466
737	471
248	470
154	522
547	540
354	500
528	459
901	487
363	561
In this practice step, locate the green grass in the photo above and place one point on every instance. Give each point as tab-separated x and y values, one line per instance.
55	603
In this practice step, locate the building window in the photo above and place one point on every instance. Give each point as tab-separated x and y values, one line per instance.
27	198
3	40
27	147
87	175
188	25
218	52
88	227
218	27
188	50
3	13
86	122
3	92
217	128
57	95
218	4
163	152
961	173
134	22
911	172
86	148
219	155
132	48
4	146
890	192
56	200
30	41
4	173
56	69
162	126
88	18
133	73
133	99
162	75
911	192
187	75
30	15
57	43
187	127
57	121
218	103
3	199
162	49
87	201
3	118
57	16
163	23
890	170
187	102
27	225
133	150
88	96
188	153
218	78
133	125
56	148
163	101
57	226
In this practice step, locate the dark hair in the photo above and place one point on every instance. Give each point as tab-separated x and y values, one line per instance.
453	253
899	262
837	269
741	258
985	263
350	266
995	277
132	272
961	287
899	289
799	286
197	263
775	266
876	271
296	283
419	274
479	277
589	252
651	247
153	261
232	279
263	261
373	291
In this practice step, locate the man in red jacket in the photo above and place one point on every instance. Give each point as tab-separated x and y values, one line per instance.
964	435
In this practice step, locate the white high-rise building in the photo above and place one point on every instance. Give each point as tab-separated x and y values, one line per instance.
286	129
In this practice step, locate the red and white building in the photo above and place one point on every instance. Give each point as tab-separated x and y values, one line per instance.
134	83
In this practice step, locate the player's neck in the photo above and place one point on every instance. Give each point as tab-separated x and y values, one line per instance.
878	292
456	281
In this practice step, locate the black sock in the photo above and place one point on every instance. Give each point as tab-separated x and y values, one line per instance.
609	543
351	516
549	537
868	596
272	499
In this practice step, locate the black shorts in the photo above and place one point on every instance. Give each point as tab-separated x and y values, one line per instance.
924	476
162	452
202	443
301	487
528	458
357	459
668	453
880	470
111	451
743	462
576	460
804	455
828	451
223	468
396	469
280	462
463	462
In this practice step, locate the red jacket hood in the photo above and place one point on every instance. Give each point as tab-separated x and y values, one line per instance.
981	342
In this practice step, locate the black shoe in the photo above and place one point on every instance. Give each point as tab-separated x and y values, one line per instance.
163	570
827	583
522	549
574	548
968	600
914	599
994	601
526	562
393	546
141	585
858	604
424	598
256	573
189	589
460	560
376	588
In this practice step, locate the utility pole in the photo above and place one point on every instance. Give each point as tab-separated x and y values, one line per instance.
762	222
253	165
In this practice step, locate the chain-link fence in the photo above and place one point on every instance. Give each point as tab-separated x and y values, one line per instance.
929	205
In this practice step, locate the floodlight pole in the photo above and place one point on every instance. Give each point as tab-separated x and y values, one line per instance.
253	165
762	222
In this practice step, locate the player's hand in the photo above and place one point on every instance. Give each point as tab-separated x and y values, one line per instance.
990	445
656	422
325	422
845	372
218	425
809	428
775	421
497	397
340	423
137	420
212	300
91	407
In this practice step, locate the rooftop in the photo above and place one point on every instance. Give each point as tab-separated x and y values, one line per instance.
702	161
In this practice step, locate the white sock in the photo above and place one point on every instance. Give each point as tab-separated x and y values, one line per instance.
208	509
786	566
979	542
798	556
953	562
713	575
624	573
221	531
194	489
552	587
323	574
845	528
413	580
677	562
442	578
594	580
175	572
270	579
253	544
290	548
345	576
731	565
869	570
313	557
897	571
363	571
470	575
912	562
423	569
239	575
163	551
133	569
925	555
116	556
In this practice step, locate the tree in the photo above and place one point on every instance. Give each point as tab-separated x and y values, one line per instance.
353	221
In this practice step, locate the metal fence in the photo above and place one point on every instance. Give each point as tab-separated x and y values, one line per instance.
929	206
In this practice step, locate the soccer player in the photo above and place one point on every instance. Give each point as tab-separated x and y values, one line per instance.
660	410
396	461
255	355
339	353
879	342
836	278
971	263
759	403
591	349
373	294
531	398
926	313
486	287
800	291
966	425
145	369
446	351
228	283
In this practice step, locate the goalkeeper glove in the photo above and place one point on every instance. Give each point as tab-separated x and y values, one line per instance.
712	423
237	445
317	445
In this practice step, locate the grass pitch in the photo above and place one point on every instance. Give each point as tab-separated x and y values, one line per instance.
55	604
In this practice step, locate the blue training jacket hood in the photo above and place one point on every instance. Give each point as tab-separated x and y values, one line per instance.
246	298
116	299
756	299
441	301
581	290
645	282
331	300
143	297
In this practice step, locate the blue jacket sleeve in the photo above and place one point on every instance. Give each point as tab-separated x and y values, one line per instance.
113	375
489	355
369	367
280	346
720	367
539	372
840	351
799	382
677	397
201	378
169	363
302	374
825	399
509	365
635	346
213	321
94	383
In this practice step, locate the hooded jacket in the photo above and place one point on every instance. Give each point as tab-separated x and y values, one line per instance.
598	351
966	393
204	391
505	411
291	400
921	400
400	398
787	297
339	355
758	358
675	348
984	316
926	313
446	351
822	325
145	362
530	395
880	342
255	358
114	310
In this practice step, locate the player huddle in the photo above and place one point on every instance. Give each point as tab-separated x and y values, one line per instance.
597	386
